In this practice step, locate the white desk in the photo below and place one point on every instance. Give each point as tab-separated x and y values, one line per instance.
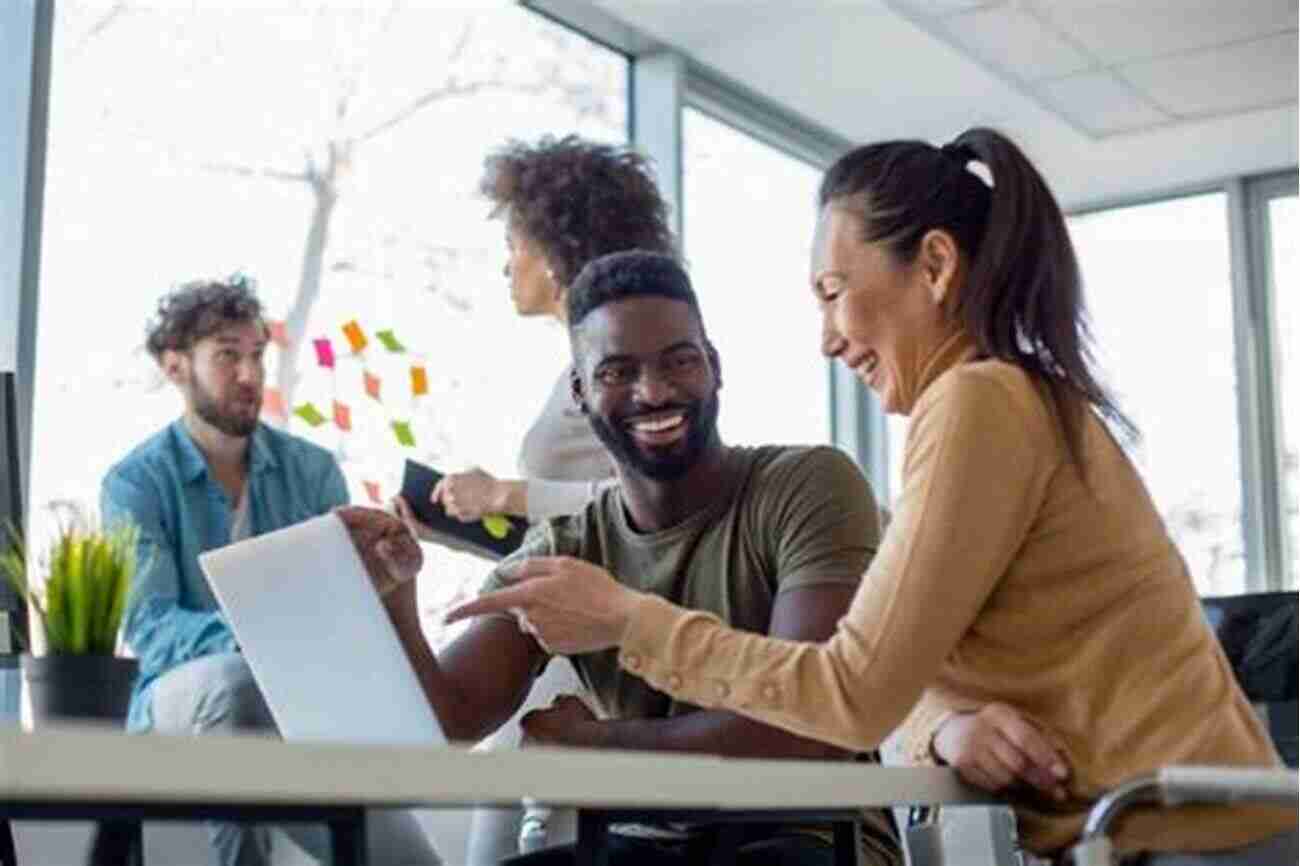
87	773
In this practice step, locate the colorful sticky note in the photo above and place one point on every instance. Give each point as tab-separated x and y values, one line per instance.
403	431
356	337
273	403
497	525
324	352
372	384
419	381
277	333
390	341
342	416
309	413
372	490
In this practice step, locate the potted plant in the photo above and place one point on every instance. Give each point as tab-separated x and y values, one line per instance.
79	603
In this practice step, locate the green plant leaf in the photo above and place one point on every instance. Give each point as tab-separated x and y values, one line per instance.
100	579
88	571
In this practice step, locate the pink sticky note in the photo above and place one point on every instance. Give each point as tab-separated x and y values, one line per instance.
324	352
372	384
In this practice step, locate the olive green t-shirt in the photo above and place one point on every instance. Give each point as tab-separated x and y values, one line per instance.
787	517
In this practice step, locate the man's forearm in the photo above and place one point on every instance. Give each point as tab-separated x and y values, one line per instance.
714	732
456	713
481	683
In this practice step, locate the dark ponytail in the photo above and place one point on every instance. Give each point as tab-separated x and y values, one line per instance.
1023	299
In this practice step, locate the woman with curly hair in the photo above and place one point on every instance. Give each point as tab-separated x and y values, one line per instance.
564	202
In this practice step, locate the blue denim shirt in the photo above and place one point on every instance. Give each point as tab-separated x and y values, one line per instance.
164	486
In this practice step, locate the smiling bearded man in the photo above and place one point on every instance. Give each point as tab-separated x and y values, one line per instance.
772	539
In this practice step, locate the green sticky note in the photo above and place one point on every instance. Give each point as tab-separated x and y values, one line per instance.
403	431
496	525
390	341
309	413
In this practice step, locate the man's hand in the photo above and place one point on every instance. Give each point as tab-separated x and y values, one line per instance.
403	510
389	552
568	605
566	722
997	747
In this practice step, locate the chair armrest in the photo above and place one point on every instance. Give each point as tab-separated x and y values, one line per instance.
1177	785
1186	784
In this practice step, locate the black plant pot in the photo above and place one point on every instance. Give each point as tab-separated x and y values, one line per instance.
64	687
67	687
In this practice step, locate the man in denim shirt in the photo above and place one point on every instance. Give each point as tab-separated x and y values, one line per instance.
214	476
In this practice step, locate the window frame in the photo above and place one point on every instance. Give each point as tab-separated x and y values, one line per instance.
661	83
1259	348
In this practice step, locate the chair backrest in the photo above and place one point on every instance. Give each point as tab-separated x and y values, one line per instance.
1260	636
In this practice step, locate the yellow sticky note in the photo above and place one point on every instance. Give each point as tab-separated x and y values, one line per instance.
419	381
496	525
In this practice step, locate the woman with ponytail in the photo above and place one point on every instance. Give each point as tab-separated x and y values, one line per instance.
1027	612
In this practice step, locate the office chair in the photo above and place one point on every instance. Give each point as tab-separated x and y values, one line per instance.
1258	632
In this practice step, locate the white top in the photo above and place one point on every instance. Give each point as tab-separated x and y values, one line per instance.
561	460
240	525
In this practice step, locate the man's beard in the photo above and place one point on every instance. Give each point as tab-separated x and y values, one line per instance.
208	407
701	418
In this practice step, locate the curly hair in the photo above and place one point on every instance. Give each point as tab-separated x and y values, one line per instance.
577	200
198	309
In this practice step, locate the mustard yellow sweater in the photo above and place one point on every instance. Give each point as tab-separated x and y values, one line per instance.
1003	576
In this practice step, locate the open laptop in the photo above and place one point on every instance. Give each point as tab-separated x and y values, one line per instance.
317	638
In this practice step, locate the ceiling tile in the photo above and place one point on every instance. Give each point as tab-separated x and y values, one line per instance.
1099	103
1015	41
1116	31
1221	80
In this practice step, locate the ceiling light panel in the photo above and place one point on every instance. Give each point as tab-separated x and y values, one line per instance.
1100	103
1017	42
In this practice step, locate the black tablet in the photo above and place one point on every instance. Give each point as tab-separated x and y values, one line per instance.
495	536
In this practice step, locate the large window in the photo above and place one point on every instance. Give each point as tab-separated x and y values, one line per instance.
1157	281
749	216
1284	284
330	150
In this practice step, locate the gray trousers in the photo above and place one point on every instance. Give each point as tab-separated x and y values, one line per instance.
216	694
494	832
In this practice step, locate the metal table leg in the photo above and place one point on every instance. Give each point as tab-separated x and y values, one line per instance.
593	839
348	839
117	843
8	856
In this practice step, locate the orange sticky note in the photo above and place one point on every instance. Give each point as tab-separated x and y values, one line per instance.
419	381
372	384
372	490
342	416
273	404
356	337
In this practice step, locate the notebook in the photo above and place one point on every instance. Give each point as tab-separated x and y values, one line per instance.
493	537
316	636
